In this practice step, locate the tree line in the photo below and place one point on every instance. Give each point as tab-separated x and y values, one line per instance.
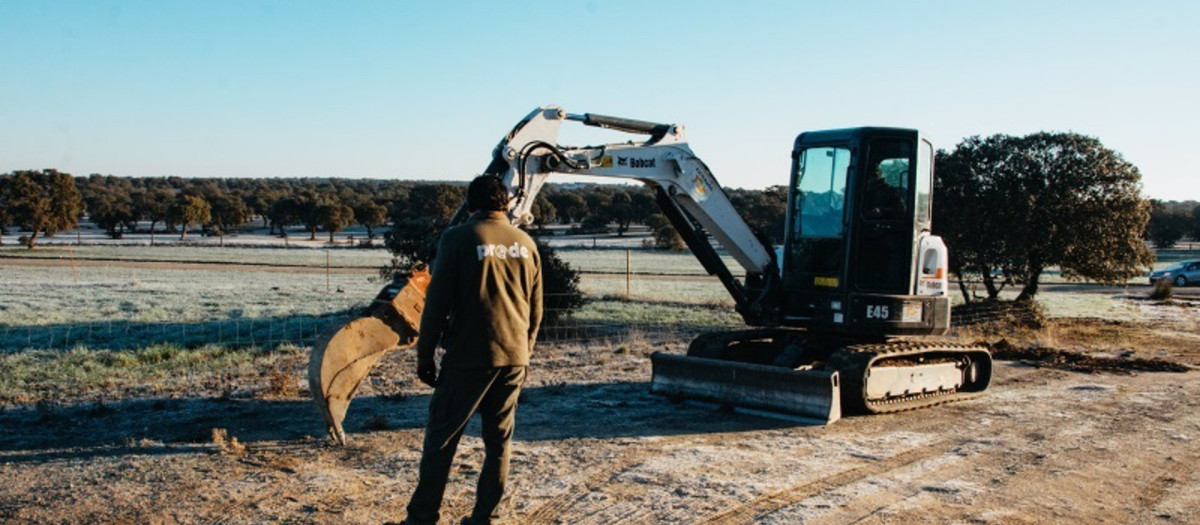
1009	208
1171	221
48	202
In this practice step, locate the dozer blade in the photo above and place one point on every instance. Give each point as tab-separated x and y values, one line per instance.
811	394
343	358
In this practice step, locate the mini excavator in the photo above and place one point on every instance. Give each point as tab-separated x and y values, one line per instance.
841	313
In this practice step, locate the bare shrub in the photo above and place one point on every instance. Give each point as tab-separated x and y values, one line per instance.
1164	289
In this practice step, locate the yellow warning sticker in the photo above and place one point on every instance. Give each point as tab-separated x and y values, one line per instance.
606	161
827	282
701	188
912	312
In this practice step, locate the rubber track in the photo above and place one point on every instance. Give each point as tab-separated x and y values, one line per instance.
852	362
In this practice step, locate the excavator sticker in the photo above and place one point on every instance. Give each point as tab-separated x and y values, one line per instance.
912	312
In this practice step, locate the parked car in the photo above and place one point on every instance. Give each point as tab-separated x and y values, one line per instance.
1181	273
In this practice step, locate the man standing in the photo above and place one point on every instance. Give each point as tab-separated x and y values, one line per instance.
484	304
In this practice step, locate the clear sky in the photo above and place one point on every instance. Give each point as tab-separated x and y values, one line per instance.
423	90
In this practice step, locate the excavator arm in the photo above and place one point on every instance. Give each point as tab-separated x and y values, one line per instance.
685	190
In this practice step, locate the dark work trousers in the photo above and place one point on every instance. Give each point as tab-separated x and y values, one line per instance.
459	393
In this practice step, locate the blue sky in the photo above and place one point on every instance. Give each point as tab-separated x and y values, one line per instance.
423	90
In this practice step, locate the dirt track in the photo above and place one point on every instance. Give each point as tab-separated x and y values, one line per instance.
1045	445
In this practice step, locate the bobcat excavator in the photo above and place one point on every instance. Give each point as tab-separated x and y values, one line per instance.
837	311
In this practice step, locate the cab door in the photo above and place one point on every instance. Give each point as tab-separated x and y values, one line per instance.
881	258
817	236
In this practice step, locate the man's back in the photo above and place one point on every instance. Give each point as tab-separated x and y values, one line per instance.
485	296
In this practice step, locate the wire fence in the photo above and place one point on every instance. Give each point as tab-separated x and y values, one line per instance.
613	319
630	293
117	335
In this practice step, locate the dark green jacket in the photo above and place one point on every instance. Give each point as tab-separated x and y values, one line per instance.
484	302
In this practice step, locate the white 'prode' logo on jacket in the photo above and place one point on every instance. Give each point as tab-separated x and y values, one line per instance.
501	251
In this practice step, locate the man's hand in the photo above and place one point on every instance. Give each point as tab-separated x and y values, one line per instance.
427	372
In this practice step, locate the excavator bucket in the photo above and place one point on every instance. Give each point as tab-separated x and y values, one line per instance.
342	359
810	394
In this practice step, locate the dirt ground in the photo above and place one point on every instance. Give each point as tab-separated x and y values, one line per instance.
1046	444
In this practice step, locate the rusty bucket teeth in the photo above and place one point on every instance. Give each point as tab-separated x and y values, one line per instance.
342	359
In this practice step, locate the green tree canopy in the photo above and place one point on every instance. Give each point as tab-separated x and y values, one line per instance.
418	221
763	210
568	205
44	202
1166	227
5	214
333	217
1018	205
109	202
188	210
153	204
370	214
666	237
228	212
543	211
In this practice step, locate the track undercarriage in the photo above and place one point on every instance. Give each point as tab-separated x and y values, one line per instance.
795	372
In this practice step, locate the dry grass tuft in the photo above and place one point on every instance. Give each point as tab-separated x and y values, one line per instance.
227	444
280	384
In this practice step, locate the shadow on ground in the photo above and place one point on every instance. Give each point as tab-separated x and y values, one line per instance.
35	434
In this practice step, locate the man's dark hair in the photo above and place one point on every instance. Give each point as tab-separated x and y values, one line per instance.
487	193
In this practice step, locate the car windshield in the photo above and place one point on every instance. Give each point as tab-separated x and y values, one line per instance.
1178	265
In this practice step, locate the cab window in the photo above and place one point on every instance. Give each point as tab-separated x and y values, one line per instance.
885	191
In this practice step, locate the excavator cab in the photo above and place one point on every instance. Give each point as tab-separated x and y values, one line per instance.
858	257
860	269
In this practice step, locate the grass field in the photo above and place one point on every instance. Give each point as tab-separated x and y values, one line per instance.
236	305
113	286
123	384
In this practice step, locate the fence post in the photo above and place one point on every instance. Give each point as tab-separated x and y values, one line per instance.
628	273
326	271
71	250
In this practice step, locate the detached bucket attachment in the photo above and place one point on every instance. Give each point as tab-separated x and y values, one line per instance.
811	394
342	359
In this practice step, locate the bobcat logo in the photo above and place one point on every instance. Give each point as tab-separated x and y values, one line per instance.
622	161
